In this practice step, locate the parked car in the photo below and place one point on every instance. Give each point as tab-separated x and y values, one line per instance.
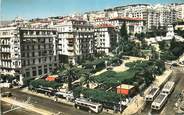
175	64
6	85
65	95
6	94
44	90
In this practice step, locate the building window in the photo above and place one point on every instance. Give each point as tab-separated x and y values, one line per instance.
33	54
23	54
28	54
28	62
45	69
39	53
40	72
34	73
39	60
33	61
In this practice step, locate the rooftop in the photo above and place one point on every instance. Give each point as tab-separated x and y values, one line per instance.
101	19
160	97
105	26
153	90
127	18
125	86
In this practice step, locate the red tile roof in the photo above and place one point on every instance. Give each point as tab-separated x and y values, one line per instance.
51	78
127	18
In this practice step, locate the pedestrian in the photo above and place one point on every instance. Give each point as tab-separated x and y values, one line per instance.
55	99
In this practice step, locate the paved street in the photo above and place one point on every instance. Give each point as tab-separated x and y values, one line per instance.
49	105
20	111
169	106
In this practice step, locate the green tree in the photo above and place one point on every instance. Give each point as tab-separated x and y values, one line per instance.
173	44
162	45
86	78
70	75
123	32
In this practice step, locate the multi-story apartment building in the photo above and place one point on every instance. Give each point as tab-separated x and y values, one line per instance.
179	10
105	38
99	21
152	19
27	52
134	25
75	40
91	16
154	15
167	15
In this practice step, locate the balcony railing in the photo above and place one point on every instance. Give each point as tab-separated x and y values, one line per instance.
71	53
70	48
6	36
38	35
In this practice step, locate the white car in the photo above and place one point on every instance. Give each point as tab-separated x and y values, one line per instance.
7	85
67	95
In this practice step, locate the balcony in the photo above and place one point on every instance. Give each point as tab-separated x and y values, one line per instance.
5	44
70	43
5	58
70	36
70	48
5	50
71	53
6	36
38	36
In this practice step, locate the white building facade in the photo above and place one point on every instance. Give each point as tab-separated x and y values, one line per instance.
105	38
134	25
75	40
27	52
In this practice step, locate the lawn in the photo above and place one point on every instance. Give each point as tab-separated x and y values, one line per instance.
112	78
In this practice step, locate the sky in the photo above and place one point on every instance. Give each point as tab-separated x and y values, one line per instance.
44	8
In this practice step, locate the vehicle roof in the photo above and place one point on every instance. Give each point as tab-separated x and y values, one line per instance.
153	90
160	98
168	85
86	101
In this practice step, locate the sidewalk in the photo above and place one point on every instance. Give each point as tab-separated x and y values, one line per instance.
138	103
27	106
122	67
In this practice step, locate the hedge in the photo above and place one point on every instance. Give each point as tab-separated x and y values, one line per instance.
98	95
44	83
27	80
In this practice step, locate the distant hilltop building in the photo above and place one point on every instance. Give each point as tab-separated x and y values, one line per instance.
154	15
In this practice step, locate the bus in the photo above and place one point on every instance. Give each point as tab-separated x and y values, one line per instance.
91	106
152	94
159	102
168	87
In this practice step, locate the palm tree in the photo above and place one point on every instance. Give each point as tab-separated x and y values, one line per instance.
70	74
86	78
